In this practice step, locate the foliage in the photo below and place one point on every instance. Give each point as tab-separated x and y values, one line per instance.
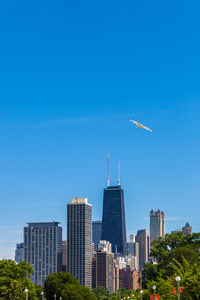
150	272
101	292
38	290
14	280
66	286
176	255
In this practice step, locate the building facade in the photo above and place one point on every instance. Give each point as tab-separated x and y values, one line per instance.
96	233
103	267
19	252
142	240
79	240
64	256
187	229
113	220
157	225
43	249
129	278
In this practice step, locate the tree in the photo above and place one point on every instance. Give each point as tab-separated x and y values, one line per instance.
175	246
14	280
150	272
66	286
101	292
176	255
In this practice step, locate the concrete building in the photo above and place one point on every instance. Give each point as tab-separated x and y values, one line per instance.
157	225
116	278
120	262
133	252
19	252
103	267
43	249
64	256
187	229
141	238
96	233
79	240
129	278
105	246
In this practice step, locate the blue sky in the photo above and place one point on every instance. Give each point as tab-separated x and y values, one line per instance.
71	74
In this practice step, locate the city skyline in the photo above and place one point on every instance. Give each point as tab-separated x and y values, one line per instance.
69	83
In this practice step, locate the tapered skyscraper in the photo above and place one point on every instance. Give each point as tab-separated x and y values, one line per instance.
113	220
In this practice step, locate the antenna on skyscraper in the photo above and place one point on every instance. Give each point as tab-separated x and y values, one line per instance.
118	180
108	170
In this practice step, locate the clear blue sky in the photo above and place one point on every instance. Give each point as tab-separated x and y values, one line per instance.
71	74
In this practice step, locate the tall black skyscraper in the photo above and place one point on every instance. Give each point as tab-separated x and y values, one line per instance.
113	220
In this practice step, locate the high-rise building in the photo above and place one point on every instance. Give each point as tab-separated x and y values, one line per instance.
19	252
157	225
187	229
133	247
133	252
79	240
113	220
64	256
43	249
141	238
96	233
104	263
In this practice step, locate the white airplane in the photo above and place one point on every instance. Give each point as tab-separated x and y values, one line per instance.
140	125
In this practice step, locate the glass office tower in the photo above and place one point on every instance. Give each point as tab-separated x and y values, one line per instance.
113	220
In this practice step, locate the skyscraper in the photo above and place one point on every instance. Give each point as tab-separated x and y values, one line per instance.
113	220
43	249
141	238
19	252
79	240
96	233
157	225
133	250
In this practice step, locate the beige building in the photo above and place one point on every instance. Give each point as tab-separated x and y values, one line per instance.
157	225
187	229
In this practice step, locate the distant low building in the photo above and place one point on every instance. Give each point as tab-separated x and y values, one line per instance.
129	278
116	278
120	262
176	230
19	252
187	229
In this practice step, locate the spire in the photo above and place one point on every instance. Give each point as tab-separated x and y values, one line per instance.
108	170
118	180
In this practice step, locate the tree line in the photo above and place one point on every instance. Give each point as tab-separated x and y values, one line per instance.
175	255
